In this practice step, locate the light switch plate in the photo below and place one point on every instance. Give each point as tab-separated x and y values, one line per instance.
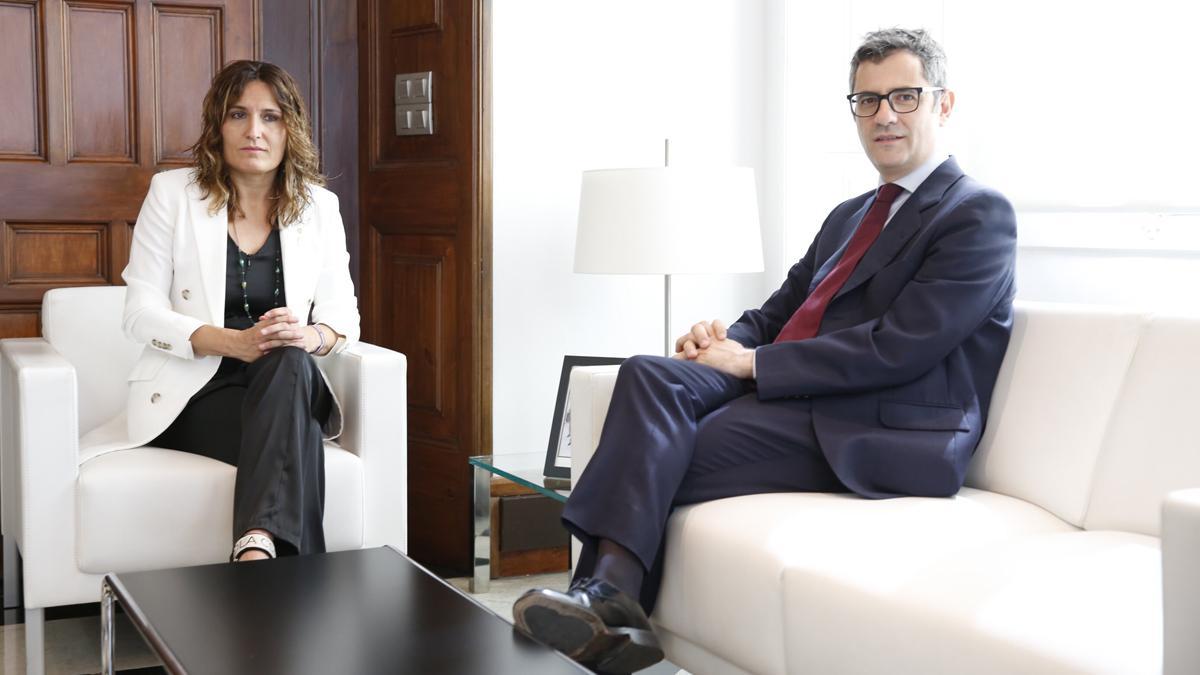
414	120
414	104
414	88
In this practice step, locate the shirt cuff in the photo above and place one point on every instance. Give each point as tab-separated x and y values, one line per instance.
754	364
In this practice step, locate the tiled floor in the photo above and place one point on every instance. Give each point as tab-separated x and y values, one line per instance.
73	643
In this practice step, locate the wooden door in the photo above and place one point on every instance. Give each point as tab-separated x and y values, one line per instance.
426	251
98	95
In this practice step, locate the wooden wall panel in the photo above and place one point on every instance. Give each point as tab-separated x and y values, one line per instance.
19	322
100	100
55	253
337	115
316	41
292	44
22	130
188	52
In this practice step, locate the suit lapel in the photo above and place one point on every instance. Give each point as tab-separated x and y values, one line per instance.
210	231
907	221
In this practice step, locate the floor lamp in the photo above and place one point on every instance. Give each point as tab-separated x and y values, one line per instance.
668	220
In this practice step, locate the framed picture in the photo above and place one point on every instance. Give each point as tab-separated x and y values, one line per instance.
558	451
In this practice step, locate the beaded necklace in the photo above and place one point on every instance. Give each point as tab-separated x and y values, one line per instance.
244	265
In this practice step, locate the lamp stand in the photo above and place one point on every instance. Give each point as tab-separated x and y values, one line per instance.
667	314
667	277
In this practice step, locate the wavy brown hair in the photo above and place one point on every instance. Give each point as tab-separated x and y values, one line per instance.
300	166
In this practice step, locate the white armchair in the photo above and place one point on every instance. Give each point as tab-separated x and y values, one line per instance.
76	511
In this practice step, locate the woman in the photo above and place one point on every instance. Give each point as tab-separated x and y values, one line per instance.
238	276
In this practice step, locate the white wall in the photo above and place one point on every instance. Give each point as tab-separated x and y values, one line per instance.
1072	108
589	84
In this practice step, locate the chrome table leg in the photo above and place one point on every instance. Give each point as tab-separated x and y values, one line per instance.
482	501
107	630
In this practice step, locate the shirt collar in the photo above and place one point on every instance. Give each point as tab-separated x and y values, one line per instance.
913	180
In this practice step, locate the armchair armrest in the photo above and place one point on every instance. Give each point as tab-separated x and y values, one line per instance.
591	392
371	384
39	459
1181	581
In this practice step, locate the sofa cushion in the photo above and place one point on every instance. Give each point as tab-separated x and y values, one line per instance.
727	560
1057	602
150	508
1056	392
1152	446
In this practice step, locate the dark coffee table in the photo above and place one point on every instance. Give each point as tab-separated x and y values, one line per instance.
365	611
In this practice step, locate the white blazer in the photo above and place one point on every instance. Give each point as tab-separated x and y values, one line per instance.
176	283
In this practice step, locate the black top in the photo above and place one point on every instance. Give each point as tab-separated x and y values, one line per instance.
264	282
264	292
368	612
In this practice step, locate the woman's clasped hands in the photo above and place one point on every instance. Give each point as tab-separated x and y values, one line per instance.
276	329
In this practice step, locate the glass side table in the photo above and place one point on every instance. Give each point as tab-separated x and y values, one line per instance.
523	469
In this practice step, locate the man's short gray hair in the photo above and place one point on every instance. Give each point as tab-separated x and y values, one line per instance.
880	44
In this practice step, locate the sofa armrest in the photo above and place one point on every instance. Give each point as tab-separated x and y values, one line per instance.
371	384
1181	582
591	392
39	459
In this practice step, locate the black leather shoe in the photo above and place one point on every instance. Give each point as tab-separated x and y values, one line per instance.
593	622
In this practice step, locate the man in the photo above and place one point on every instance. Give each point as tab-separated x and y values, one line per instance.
869	370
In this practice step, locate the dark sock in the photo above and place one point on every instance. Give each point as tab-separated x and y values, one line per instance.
619	567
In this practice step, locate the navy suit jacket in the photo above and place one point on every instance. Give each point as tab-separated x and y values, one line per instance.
901	372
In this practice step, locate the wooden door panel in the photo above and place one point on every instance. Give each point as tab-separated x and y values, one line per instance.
432	200
103	94
425	254
22	131
419	277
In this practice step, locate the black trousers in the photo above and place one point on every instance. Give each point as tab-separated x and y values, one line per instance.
265	418
679	433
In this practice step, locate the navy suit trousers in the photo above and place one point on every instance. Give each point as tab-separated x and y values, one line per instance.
679	433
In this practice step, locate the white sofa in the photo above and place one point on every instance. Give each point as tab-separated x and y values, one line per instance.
76	512
1074	547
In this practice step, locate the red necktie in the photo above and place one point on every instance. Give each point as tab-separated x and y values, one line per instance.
807	319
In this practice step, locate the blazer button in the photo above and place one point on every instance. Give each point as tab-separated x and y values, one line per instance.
154	397
187	295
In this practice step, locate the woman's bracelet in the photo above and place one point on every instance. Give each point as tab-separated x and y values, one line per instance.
321	335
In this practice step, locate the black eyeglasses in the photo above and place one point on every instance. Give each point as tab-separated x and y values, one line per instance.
902	100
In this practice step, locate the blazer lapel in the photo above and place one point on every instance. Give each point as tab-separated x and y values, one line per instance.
907	221
297	276
210	231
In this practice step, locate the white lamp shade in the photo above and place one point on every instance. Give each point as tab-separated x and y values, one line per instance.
686	220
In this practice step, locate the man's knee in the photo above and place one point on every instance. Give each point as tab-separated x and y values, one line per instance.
643	365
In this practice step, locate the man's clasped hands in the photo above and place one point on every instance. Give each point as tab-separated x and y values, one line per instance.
707	343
